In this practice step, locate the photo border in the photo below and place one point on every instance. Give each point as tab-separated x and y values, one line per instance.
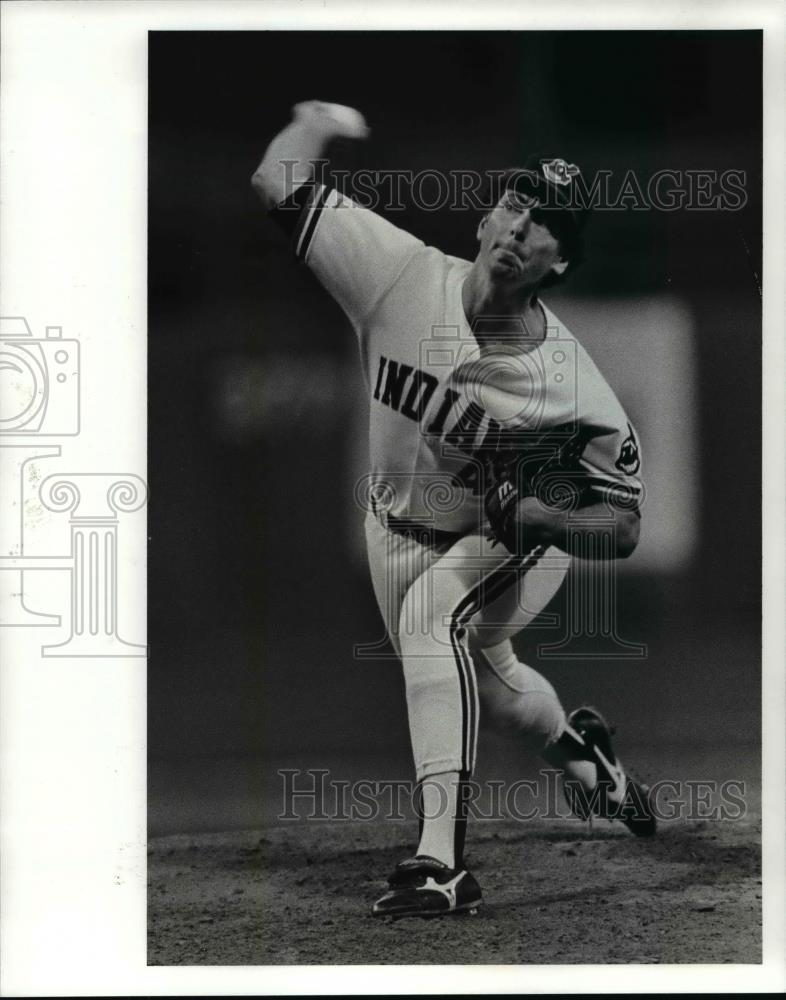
74	117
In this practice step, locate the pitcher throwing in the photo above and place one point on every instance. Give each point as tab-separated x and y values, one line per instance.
494	443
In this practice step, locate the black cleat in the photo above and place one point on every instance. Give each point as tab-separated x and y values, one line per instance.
424	887
615	796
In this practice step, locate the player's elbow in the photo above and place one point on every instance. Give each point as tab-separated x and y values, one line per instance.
264	188
628	530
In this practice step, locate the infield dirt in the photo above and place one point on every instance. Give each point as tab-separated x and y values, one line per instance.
554	892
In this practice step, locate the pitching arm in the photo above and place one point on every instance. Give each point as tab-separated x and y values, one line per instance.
289	159
541	525
353	252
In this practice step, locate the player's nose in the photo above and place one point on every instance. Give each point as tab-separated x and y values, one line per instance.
519	227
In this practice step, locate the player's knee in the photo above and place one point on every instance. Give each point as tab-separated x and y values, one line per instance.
422	624
434	652
537	717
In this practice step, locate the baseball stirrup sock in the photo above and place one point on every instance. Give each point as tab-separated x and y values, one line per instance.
460	829
417	803
441	803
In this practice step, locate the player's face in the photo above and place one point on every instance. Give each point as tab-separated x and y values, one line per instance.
515	243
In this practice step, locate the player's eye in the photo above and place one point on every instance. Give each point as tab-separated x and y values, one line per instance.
518	202
554	221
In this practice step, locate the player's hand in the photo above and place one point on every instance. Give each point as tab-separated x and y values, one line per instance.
519	523
528	499
332	120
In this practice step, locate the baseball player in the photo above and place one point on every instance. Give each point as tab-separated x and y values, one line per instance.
495	443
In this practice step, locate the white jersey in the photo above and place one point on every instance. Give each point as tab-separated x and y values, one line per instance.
438	401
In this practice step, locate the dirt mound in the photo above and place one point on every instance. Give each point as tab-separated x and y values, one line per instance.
558	892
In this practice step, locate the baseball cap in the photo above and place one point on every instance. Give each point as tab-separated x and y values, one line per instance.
556	183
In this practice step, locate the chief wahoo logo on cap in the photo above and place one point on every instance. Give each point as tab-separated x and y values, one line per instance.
559	172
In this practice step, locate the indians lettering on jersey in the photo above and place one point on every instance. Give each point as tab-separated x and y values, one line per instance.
459	422
438	401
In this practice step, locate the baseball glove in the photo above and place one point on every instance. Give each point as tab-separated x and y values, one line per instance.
548	469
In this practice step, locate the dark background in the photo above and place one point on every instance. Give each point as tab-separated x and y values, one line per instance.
256	592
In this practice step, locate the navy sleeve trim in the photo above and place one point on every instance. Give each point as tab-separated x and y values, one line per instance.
309	218
288	214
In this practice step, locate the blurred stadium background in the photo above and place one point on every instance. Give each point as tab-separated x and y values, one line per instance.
258	589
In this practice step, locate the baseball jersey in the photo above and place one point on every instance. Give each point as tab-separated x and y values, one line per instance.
439	399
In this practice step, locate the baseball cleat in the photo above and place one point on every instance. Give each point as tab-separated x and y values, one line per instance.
424	887
615	795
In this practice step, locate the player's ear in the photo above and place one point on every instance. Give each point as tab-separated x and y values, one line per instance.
482	225
560	266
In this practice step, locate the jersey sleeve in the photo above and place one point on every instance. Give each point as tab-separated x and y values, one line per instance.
355	253
612	461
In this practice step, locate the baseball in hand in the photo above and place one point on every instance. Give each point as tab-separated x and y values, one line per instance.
334	119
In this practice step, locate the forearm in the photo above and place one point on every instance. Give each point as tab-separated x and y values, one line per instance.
289	159
541	525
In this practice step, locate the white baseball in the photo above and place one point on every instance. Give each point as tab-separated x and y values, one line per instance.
340	119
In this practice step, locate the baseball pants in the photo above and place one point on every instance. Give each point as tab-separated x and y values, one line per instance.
450	609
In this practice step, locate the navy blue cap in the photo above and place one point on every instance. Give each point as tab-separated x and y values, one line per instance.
556	183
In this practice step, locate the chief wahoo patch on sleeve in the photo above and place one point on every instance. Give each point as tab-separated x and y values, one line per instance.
629	461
